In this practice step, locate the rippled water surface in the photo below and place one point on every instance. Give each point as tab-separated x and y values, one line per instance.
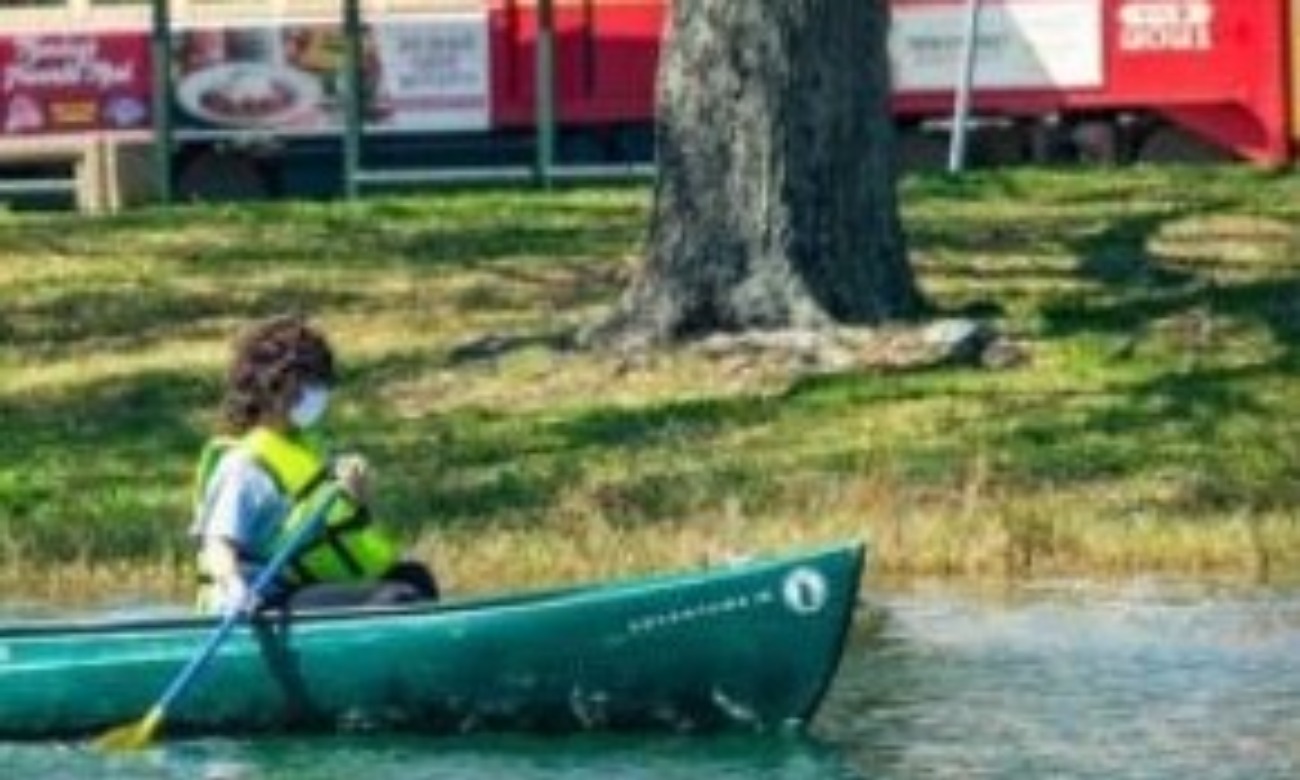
1077	682
1041	682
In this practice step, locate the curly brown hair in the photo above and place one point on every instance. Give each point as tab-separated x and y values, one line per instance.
272	361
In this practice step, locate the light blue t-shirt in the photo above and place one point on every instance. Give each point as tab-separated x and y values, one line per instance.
242	505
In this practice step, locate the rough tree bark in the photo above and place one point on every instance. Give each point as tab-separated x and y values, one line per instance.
775	205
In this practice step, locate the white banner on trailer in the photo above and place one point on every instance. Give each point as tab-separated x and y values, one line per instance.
437	74
1023	44
419	74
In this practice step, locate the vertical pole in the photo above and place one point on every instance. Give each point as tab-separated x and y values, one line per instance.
352	98
965	84
160	41
545	92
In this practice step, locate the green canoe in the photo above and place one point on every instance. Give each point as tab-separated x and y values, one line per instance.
752	645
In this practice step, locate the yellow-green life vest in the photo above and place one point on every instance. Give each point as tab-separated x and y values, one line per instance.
350	547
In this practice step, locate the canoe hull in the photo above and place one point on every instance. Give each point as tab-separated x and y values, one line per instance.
749	646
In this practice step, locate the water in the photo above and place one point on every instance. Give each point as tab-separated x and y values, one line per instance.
1072	681
1077	682
478	758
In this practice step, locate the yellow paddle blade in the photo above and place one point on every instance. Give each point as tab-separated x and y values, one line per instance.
132	736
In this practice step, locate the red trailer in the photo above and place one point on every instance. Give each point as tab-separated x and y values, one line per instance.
453	84
1140	79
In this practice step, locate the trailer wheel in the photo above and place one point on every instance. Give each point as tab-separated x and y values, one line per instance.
1167	144
582	148
1096	142
222	177
919	151
634	143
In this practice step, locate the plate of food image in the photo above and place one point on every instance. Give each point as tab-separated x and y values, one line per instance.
248	94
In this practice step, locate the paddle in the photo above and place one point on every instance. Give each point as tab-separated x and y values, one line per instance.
137	735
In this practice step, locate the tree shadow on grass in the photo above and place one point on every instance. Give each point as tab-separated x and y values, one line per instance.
523	465
482	467
220	240
1174	311
1120	255
1205	435
102	470
1140	289
111	461
105	320
1176	314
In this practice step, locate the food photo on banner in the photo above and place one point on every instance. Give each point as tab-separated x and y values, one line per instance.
420	73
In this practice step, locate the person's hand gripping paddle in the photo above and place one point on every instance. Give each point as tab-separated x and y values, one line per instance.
140	734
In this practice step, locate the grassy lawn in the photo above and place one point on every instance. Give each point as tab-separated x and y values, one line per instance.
1152	429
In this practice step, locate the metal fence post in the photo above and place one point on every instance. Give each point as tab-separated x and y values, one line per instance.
353	100
160	41
545	92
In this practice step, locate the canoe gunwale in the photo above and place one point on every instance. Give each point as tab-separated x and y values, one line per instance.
507	601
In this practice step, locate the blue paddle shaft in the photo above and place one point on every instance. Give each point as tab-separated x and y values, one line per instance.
264	578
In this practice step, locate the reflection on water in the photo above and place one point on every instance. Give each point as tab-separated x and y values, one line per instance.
1069	682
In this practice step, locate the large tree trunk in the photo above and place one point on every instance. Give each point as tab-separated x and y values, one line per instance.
775	205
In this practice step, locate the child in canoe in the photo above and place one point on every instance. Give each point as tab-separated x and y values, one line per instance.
265	477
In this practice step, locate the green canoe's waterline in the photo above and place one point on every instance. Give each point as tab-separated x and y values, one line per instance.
750	645
1073	681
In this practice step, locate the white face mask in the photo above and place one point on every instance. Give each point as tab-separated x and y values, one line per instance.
311	406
